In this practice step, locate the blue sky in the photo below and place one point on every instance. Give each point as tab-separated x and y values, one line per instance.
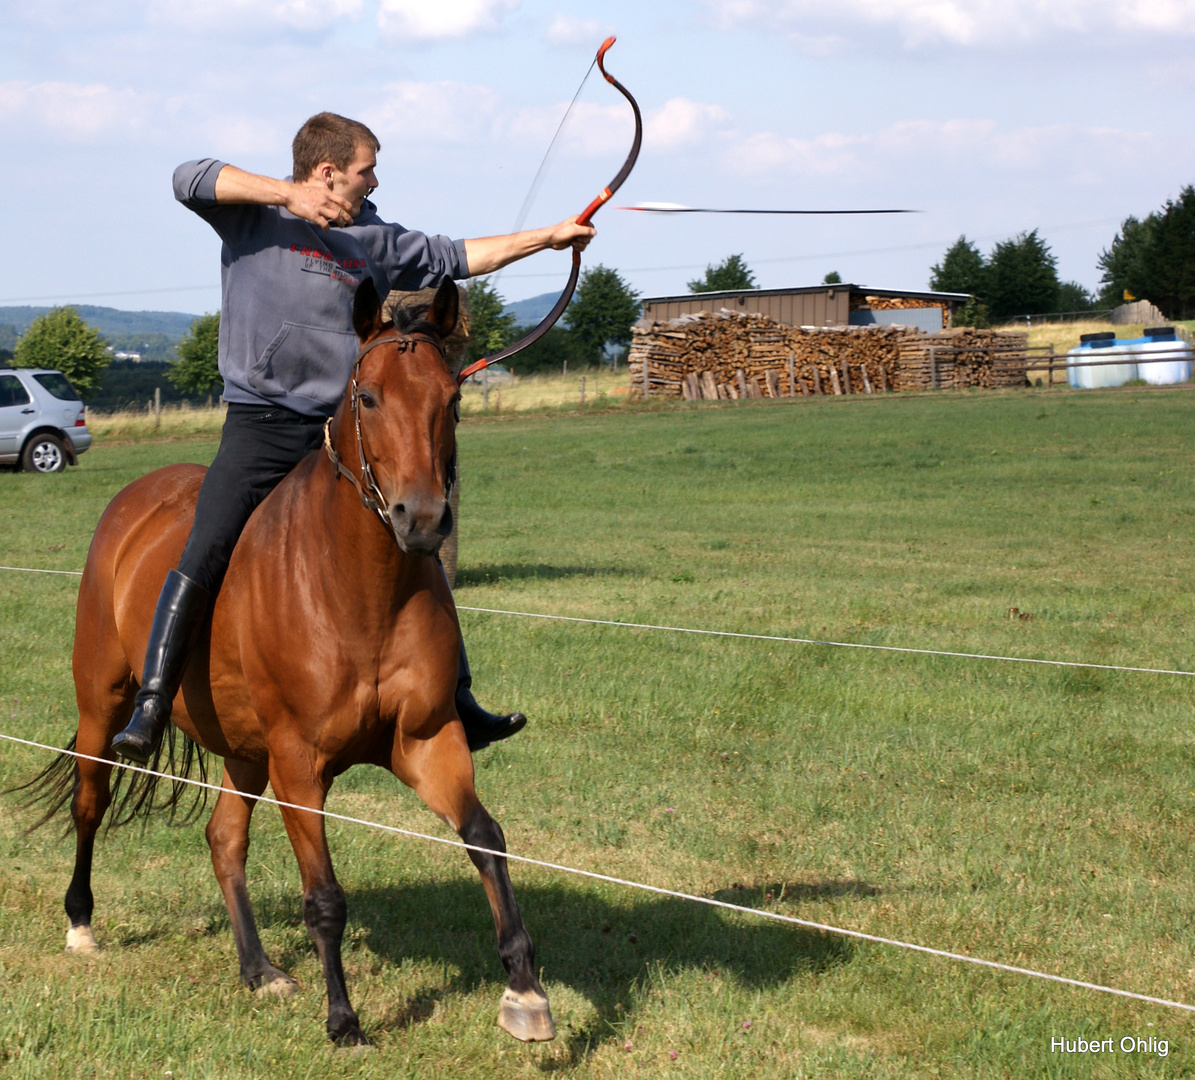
991	117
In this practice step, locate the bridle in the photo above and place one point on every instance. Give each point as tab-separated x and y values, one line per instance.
367	487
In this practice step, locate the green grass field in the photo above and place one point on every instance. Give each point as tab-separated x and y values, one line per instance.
1037	816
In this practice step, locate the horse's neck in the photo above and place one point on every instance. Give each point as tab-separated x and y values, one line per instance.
372	574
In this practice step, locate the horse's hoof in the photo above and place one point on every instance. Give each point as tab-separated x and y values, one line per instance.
353	1041
277	984
80	939
526	1016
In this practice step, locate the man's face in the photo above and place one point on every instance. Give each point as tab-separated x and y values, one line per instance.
358	179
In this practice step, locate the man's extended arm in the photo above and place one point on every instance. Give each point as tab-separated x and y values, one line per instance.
491	253
311	201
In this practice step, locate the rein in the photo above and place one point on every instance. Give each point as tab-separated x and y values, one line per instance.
367	487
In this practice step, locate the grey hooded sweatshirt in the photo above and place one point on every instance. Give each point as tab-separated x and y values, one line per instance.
286	335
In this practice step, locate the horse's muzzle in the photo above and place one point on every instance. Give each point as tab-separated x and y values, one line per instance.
421	523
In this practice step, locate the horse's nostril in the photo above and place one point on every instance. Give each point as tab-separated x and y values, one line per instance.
399	509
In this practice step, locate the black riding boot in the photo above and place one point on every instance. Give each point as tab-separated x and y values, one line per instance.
177	619
481	727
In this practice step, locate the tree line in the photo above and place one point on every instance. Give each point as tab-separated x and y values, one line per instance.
600	317
1151	259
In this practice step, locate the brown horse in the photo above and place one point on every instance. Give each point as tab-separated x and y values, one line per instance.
333	642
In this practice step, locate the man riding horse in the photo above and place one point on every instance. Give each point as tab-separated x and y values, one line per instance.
293	255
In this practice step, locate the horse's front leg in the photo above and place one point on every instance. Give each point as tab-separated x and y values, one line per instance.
228	838
440	770
324	908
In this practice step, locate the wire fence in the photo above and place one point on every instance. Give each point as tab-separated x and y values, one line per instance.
676	894
908	650
806	924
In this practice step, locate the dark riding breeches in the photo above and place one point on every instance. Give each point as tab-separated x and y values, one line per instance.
258	447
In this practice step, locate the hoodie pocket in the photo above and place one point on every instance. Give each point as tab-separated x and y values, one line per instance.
308	361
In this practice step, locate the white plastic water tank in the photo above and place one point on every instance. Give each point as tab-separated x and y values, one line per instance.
1163	358
1091	378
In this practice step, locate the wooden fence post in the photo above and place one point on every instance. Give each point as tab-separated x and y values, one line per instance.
157	407
792	380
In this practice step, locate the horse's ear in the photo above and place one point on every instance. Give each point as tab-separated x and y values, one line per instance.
367	310
446	307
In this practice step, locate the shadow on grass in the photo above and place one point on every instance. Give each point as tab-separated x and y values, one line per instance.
492	574
606	953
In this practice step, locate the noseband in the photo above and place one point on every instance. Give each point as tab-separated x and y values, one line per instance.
367	487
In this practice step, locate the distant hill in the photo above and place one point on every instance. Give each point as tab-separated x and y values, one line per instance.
526	312
108	320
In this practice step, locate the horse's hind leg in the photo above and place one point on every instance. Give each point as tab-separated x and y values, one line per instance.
228	838
104	693
441	772
89	802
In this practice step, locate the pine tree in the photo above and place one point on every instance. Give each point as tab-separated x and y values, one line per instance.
962	270
1022	278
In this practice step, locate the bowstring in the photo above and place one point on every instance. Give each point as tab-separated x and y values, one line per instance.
540	173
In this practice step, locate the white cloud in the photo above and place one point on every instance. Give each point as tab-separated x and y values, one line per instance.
434	20
441	112
233	18
72	111
568	30
955	147
451	113
681	122
590	130
817	26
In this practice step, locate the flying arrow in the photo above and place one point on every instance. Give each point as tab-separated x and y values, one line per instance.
677	208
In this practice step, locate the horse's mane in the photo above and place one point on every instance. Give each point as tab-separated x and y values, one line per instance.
413	320
408	312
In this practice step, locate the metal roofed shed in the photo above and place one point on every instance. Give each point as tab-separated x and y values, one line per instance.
818	305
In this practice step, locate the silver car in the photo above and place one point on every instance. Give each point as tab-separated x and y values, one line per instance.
43	424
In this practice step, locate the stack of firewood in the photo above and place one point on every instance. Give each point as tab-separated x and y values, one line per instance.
964	357
729	355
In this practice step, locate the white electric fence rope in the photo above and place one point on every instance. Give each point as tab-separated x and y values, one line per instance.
807	924
816	641
767	637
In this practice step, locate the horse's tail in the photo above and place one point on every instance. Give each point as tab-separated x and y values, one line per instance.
135	794
50	789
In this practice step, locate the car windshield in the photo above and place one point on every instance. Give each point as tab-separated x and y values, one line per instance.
57	385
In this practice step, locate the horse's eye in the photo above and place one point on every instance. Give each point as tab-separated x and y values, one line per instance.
367	399
456	410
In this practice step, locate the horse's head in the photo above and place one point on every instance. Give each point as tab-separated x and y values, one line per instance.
399	418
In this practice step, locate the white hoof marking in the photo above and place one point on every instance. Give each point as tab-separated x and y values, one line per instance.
80	939
280	986
527	1017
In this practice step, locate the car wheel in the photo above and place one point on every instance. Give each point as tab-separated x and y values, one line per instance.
44	454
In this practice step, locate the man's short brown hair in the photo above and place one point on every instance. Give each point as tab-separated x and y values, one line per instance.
329	137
